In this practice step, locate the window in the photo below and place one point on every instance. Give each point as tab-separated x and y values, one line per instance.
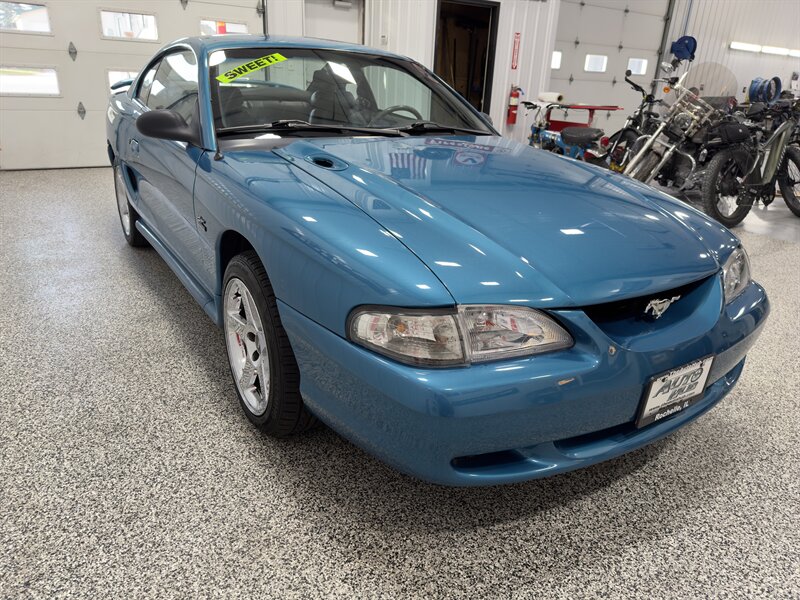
595	63
393	87
28	81
637	66
555	62
115	76
253	86
146	84
128	26
29	18
175	85
209	27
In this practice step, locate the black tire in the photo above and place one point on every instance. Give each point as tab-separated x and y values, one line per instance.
720	178
789	179
285	414
127	214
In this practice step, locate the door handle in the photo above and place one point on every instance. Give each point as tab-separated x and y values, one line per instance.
134	146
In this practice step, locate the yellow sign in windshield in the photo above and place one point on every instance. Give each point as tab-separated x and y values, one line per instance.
248	67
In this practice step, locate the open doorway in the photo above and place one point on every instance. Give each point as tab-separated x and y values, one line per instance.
466	33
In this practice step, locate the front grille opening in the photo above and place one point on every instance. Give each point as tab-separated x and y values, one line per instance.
633	308
626	319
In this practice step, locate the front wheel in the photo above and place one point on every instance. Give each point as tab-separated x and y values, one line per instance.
646	166
262	363
789	180
722	191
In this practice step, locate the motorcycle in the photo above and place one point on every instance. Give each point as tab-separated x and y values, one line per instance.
643	121
747	172
579	141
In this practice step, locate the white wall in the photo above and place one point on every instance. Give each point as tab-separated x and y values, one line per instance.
408	27
716	23
405	27
536	21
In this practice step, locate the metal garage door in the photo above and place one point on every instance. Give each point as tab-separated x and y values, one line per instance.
43	87
613	29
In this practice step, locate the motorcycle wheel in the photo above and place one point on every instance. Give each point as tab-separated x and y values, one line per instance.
721	190
789	180
648	163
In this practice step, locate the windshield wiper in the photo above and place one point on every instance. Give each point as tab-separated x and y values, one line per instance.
300	125
431	127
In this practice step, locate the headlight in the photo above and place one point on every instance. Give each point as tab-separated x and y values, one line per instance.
440	338
735	274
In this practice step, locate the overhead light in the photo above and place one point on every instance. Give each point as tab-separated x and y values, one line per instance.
775	50
745	46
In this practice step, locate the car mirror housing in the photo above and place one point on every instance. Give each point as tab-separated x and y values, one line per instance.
167	125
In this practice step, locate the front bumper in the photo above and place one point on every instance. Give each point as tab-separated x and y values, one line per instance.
519	419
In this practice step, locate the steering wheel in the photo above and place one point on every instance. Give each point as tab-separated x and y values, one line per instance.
393	109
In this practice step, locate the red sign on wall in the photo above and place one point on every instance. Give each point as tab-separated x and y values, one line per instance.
515	53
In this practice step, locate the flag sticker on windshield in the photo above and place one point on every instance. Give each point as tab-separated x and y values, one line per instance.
254	65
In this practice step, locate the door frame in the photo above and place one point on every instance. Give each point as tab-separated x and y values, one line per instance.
491	50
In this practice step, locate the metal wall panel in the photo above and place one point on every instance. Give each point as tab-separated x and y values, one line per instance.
716	23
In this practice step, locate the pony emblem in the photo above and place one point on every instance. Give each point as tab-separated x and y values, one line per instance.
659	307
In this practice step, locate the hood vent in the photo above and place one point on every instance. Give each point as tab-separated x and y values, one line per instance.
326	161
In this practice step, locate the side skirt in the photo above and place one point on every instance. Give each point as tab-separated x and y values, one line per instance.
190	283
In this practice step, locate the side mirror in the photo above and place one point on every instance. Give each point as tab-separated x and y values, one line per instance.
122	83
628	73
167	125
488	118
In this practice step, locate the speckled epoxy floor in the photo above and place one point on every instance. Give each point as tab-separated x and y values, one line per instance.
128	470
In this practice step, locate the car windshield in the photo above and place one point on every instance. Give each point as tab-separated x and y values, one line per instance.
302	91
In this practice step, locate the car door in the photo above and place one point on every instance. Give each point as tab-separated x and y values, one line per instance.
165	169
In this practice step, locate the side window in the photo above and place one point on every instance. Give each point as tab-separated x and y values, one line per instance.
147	83
175	85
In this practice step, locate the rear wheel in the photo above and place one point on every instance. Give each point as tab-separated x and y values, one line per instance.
262	363
789	180
127	214
722	190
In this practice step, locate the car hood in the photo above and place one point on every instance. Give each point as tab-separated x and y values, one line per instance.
500	222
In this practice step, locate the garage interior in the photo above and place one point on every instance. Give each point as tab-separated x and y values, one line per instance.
128	469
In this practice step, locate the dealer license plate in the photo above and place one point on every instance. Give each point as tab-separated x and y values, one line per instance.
672	392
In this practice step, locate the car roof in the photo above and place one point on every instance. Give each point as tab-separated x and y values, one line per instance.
210	43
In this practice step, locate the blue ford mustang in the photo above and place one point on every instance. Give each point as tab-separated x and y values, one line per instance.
469	309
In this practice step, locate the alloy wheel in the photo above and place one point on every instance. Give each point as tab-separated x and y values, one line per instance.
247	346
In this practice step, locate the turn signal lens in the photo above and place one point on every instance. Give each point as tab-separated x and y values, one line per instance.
735	274
667	89
446	337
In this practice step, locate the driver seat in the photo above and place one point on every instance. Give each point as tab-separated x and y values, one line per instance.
330	100
580	136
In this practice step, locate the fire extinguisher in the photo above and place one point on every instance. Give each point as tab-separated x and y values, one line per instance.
513	105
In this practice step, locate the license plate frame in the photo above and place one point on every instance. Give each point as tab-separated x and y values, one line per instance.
683	386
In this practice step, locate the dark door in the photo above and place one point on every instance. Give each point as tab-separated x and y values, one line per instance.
465	45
